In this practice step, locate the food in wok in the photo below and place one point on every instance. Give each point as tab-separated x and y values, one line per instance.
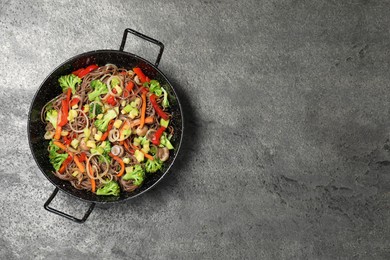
108	129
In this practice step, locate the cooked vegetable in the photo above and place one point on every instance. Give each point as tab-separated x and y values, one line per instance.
82	72
141	75
99	88
51	116
135	173
154	87
69	81
157	135
152	166
164	142
102	124
121	163
163	154
156	107
56	159
165	102
95	109
143	110
110	188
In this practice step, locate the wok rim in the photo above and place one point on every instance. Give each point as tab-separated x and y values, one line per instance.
79	56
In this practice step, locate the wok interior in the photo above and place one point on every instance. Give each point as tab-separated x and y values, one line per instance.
50	88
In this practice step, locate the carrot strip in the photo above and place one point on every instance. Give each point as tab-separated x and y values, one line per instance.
60	145
147	155
148	120
57	135
105	135
93	183
120	161
79	164
143	110
126	144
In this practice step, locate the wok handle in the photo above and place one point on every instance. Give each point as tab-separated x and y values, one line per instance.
147	38
62	214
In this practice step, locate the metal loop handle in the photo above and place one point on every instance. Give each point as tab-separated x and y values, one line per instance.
147	38
62	214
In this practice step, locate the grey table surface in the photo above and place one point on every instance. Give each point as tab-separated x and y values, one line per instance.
286	153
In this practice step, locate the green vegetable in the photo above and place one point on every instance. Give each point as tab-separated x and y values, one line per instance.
139	156
154	87
164	142
103	149
164	123
136	102
102	124
51	116
165	102
146	146
75	143
153	166
69	81
115	82
56	159
153	150
99	88
133	113
110	188
127	109
95	109
136	174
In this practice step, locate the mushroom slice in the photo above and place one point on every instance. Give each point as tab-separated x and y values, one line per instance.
163	154
117	150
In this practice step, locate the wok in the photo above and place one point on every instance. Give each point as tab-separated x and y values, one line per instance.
50	88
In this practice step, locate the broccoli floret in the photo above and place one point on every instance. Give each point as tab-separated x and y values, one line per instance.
69	81
136	174
154	87
165	102
103	149
56	159
99	88
106	150
102	124
153	165
51	116
110	188
94	110
164	142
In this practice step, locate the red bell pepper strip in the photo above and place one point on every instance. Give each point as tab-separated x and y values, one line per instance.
65	109
141	75
74	101
109	127
111	100
68	94
77	72
82	157
64	113
85	71
157	135
130	86
68	160
67	140
156	107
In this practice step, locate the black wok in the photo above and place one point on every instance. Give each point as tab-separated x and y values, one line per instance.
50	88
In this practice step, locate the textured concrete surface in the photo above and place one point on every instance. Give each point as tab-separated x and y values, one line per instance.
286	152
